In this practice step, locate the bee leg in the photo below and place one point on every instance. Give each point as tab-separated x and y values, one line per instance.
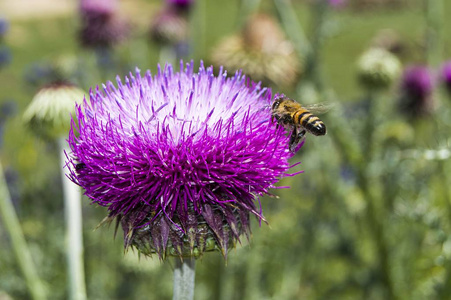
296	138
293	136
301	135
277	118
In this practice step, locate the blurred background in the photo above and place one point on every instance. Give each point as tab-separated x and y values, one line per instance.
370	217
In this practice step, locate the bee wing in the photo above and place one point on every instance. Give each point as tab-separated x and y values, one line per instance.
319	108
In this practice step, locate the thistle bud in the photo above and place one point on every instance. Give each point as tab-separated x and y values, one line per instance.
378	68
49	113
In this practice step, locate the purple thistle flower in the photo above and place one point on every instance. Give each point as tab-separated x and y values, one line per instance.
182	4
100	25
446	75
416	88
180	158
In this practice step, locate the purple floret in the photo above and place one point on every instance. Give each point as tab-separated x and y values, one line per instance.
162	151
417	86
417	82
446	75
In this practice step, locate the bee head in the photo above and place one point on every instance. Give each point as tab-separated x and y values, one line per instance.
277	101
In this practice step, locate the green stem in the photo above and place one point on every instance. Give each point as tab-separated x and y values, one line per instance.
184	274
373	213
446	287
293	27
20	248
313	61
253	273
74	233
360	158
198	29
376	227
434	32
310	51
341	133
248	7
370	126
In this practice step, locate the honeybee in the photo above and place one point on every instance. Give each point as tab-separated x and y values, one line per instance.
298	118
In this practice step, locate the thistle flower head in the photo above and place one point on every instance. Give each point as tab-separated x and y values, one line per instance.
261	51
416	91
179	158
49	113
100	24
445	75
378	68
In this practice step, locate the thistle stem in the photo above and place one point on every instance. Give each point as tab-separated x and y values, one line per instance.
248	7
445	289
313	68
434	31
293	27
374	213
184	274
198	30
20	248
72	207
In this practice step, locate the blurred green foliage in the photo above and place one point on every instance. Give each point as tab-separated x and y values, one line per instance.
356	225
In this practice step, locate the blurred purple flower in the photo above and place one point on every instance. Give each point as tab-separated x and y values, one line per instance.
7	110
416	91
337	3
98	7
180	158
41	73
446	75
100	25
182	4
4	25
5	56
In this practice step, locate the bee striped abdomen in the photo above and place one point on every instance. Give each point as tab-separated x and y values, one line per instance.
310	122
